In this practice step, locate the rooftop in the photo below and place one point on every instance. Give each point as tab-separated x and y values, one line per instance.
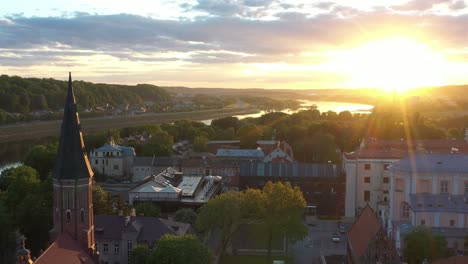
395	154
433	163
261	169
240	153
363	230
65	250
126	151
112	227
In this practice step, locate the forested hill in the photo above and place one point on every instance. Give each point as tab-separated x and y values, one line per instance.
24	95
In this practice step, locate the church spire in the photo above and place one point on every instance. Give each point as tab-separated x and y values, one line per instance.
72	162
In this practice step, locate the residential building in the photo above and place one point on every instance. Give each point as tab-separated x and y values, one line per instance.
112	159
322	185
116	236
72	235
368	241
368	179
430	190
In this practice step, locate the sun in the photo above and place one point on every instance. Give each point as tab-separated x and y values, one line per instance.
396	64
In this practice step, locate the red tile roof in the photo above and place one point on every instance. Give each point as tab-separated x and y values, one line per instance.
65	250
363	230
452	260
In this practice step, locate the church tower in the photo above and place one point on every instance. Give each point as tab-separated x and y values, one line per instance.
72	181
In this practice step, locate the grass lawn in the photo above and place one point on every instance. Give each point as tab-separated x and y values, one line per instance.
253	259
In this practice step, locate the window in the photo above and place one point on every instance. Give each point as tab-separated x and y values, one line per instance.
367	166
386	180
129	248
385	192
366	179
116	249
404	210
68	215
366	196
386	166
452	223
96	162
423	222
116	167
443	186
105	248
103	162
82	215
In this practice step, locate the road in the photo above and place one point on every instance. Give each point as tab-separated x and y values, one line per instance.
318	242
39	129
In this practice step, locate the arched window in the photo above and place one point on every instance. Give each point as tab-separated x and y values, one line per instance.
404	207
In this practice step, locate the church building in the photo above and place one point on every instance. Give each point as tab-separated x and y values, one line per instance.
72	237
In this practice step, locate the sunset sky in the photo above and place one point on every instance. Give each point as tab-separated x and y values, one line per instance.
238	43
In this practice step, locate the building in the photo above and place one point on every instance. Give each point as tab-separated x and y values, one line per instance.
240	154
113	160
170	190
116	236
322	185
276	151
72	235
368	179
430	190
148	166
368	241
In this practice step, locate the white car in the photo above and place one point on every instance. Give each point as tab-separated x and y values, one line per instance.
336	238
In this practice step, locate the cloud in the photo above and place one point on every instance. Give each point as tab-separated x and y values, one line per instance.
423	5
218	39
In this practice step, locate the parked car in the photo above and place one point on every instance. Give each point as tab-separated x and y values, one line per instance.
336	238
342	228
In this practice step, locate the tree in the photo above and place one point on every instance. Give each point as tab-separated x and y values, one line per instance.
280	213
42	158
199	143
186	215
101	201
160	144
147	209
422	244
222	214
140	255
172	249
7	236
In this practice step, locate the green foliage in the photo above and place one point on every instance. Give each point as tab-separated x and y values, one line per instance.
159	145
180	250
225	122
42	158
224	214
7	235
199	144
101	201
27	198
22	95
249	134
140	255
186	215
279	213
422	244
147	209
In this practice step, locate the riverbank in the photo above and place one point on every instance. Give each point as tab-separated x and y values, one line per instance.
40	129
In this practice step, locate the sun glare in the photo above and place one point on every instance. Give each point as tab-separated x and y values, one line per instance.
397	64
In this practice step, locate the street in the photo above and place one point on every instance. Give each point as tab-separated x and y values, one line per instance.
318	242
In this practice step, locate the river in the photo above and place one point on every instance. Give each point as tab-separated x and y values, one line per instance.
322	106
12	152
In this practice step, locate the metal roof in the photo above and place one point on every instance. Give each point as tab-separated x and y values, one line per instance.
189	185
433	163
259	169
254	153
